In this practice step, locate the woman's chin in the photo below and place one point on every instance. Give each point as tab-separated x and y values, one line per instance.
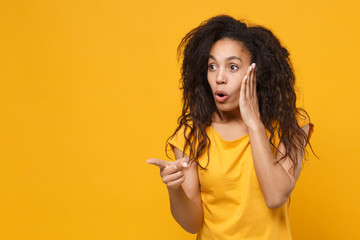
227	108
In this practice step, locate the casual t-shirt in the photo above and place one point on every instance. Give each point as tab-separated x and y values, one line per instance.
233	203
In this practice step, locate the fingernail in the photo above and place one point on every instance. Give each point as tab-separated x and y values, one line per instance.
185	164
245	77
250	68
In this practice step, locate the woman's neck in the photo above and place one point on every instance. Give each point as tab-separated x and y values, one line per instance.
227	117
229	126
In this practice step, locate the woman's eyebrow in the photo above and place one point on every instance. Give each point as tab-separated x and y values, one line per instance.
233	57
212	57
228	58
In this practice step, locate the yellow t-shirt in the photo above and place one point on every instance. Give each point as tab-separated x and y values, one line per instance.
233	204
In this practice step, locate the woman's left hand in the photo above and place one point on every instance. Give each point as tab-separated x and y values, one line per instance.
248	102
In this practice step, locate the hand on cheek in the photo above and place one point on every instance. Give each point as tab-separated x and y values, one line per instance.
248	102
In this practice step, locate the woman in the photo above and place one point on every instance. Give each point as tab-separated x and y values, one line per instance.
240	141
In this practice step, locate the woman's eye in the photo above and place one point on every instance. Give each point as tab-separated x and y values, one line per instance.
212	67
234	67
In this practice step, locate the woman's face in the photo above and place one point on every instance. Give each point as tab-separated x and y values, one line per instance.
228	63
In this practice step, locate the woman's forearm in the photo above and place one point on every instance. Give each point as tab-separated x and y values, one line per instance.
188	213
275	183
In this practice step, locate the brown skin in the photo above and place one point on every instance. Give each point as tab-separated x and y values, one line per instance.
184	190
275	179
239	115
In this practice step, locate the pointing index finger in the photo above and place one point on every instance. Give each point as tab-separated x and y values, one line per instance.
157	162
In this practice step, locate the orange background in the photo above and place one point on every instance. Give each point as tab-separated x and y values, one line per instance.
89	91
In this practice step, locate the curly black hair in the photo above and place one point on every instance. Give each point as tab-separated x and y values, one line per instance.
275	85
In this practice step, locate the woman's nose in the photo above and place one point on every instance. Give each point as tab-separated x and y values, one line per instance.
220	77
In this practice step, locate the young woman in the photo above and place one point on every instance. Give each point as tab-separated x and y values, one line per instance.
240	141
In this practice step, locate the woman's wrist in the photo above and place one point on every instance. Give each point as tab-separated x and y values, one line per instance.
175	191
256	126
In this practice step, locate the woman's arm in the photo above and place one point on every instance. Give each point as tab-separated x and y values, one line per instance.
185	201
275	180
184	190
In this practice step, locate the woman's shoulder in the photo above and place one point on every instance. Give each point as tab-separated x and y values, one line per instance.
304	122
303	118
178	138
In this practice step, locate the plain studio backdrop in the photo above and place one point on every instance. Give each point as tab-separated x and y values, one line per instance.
90	89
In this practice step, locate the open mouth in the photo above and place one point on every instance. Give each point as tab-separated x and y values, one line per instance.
221	96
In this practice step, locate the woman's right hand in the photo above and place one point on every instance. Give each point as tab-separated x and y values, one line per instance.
182	180
171	172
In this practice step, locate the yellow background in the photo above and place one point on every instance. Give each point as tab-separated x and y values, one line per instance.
89	91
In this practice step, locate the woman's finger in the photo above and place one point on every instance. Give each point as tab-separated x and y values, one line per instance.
175	166
158	162
170	169
243	89
248	80
181	163
252	80
176	183
254	89
173	177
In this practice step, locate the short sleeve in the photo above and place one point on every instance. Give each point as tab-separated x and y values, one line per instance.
304	120
178	141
